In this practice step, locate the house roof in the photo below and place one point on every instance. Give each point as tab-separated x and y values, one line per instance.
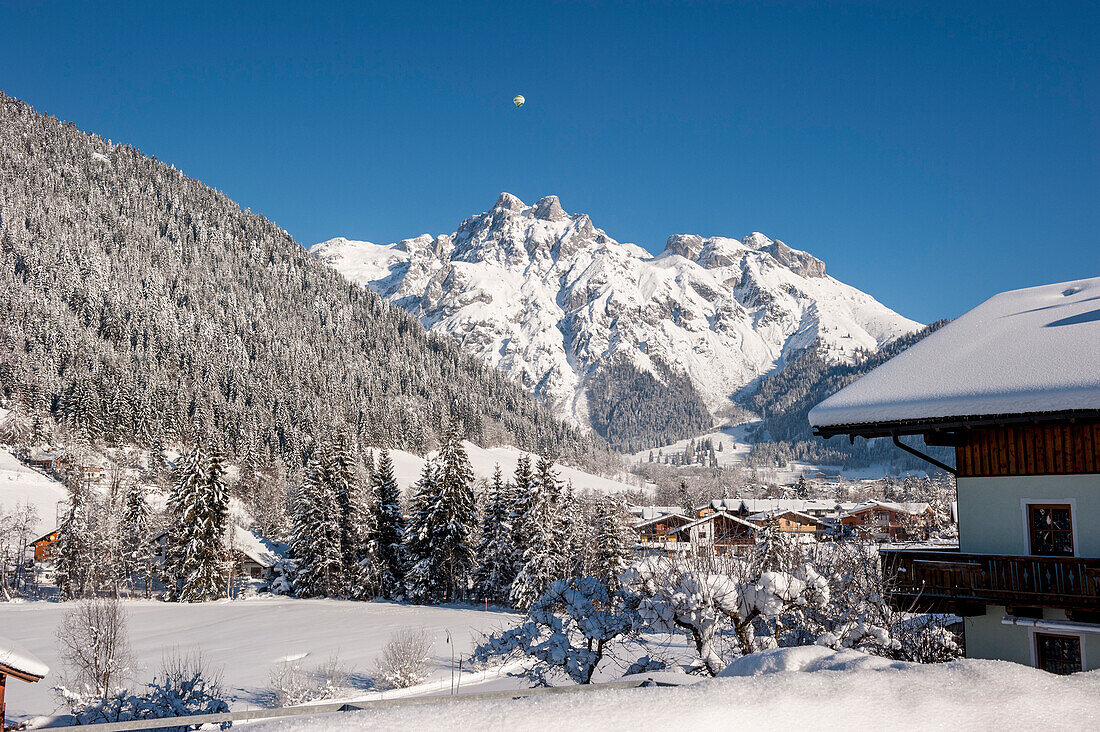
1030	352
756	505
259	549
648	512
713	516
662	517
17	661
764	515
910	508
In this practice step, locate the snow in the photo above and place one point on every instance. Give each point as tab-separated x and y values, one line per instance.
20	484
550	299
1026	351
408	466
259	549
796	688
247	639
16	657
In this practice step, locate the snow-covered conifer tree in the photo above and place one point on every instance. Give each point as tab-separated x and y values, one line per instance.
199	509
614	541
422	582
316	545
137	554
389	526
495	559
75	556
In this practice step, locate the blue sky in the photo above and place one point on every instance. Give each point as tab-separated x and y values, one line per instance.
931	155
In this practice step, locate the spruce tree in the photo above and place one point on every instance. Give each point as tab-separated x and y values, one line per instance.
137	555
317	548
199	510
389	527
354	520
540	561
614	541
522	494
495	559
75	554
422	581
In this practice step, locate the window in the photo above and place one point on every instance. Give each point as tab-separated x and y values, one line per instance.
1058	654
255	572
1051	529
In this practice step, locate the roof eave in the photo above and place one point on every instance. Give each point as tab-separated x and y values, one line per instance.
891	428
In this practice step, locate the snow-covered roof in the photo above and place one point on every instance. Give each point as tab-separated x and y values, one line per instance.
713	516
662	517
1023	352
909	508
260	550
649	512
18	661
758	505
764	515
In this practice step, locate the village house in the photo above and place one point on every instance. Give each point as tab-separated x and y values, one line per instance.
793	522
885	521
656	535
1013	387
46	458
254	556
45	547
718	533
743	507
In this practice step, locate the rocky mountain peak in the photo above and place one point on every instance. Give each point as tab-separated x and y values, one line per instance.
548	208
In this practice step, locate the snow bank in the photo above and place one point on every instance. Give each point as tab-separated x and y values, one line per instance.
20	484
965	695
808	659
18	658
1020	352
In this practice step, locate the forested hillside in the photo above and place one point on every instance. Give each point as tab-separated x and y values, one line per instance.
139	305
785	399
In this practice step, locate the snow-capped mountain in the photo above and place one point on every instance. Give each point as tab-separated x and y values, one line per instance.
637	346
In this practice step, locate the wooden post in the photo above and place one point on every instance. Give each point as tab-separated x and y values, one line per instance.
3	678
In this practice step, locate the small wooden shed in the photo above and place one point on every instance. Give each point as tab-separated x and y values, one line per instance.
19	663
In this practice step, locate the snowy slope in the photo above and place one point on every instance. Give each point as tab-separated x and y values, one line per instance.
407	467
20	484
1020	352
551	299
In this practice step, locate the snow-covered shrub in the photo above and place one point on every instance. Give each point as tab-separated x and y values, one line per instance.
404	660
94	646
183	688
290	683
569	629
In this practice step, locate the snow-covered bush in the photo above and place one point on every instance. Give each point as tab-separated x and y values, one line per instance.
94	646
290	683
569	629
404	660
183	688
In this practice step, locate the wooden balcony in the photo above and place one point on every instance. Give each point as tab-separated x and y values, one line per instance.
948	581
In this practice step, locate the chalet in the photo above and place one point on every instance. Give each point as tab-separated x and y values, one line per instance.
656	535
18	663
792	522
886	521
743	507
255	556
1013	387
47	458
718	533
45	547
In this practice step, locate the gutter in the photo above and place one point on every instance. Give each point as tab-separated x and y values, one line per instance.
1071	626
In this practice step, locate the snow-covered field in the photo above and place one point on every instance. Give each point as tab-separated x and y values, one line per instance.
849	693
736	446
246	639
20	484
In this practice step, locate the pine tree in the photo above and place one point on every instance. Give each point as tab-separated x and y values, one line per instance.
541	555
75	556
356	523
316	546
522	496
199	510
137	555
389	526
422	582
495	559
684	496
614	541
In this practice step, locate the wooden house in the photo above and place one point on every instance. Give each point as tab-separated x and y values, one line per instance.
657	535
45	547
1013	389
885	521
792	522
718	533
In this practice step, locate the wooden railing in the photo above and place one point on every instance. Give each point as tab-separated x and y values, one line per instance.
949	580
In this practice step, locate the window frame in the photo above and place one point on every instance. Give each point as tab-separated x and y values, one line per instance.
1025	509
1036	633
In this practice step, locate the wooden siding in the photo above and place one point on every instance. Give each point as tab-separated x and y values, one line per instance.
1048	449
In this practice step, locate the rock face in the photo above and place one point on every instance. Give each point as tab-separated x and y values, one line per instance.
553	300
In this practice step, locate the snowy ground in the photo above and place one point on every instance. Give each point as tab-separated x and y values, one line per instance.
852	694
736	447
20	484
246	639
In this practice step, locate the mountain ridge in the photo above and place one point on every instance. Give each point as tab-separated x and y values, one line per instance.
642	348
